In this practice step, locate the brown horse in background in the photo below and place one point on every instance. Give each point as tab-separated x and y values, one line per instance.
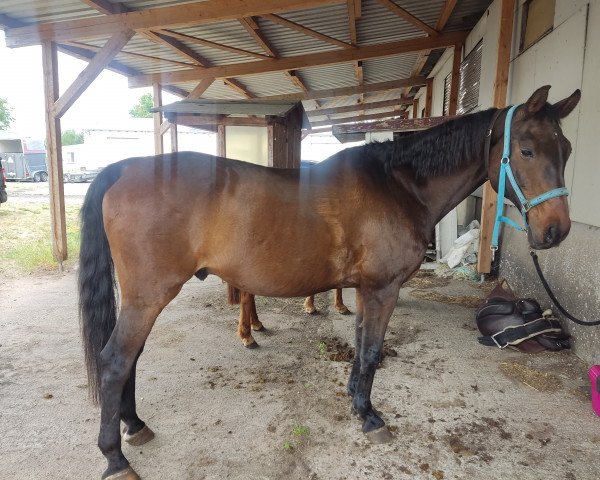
361	219
249	321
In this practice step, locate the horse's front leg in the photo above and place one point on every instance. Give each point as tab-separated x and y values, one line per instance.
358	329
377	308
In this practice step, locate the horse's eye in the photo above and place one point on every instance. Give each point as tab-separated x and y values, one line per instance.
526	152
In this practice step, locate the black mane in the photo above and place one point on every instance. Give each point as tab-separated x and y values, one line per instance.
436	151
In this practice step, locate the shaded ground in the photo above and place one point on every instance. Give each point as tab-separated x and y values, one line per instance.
458	410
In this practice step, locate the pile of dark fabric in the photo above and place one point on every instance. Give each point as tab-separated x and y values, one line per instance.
507	321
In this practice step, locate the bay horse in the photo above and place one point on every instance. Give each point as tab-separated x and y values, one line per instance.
249	321
361	219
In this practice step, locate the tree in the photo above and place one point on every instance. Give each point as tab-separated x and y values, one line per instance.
71	137
5	115
142	109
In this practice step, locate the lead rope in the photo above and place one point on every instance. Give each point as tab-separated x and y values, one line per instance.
536	263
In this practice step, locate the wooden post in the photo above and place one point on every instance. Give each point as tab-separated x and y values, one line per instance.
489	200
157	102
221	145
415	109
428	97
54	153
174	138
455	79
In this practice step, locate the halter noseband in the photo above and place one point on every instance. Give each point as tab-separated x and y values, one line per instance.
506	171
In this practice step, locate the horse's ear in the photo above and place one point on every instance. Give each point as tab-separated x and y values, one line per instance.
566	106
537	100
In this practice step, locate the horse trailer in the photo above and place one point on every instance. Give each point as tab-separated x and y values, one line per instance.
24	159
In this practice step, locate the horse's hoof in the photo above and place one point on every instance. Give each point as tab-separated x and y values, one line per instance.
258	327
344	311
138	438
249	343
379	436
311	311
127	474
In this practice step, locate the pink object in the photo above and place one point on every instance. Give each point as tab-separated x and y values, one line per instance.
594	374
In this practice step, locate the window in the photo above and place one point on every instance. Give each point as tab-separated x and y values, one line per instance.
537	20
468	86
447	85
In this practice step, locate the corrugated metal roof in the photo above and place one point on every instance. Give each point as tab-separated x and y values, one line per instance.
377	25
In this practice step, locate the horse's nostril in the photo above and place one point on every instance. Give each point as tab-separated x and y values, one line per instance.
552	234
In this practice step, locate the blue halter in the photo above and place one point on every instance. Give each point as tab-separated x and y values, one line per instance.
506	171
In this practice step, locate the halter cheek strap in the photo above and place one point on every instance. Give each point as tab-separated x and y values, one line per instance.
506	172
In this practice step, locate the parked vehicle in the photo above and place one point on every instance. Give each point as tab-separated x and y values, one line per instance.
24	159
3	195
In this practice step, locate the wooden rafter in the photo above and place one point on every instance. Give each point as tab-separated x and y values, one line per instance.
239	87
345	91
301	61
355	118
95	48
365	106
196	13
177	46
352	21
106	7
207	43
391	6
252	28
305	30
200	89
396	125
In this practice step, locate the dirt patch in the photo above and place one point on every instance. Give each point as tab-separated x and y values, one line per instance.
338	351
468	301
536	379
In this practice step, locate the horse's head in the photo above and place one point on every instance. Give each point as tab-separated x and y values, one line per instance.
538	155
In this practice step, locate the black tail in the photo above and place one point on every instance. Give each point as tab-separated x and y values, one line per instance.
97	298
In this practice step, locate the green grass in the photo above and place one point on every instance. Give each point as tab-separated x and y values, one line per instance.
322	347
288	446
300	430
25	238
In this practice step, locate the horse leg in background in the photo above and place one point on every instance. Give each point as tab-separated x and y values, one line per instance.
309	304
135	432
377	308
248	320
339	303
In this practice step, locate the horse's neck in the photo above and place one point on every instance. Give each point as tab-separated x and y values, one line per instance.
441	194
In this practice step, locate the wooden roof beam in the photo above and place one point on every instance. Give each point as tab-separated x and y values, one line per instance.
238	87
346	91
355	118
364	106
177	46
199	89
396	124
305	30
252	28
408	17
106	7
301	61
197	13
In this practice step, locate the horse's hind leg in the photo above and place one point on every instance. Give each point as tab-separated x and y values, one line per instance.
257	326
117	362
339	303
353	381
136	432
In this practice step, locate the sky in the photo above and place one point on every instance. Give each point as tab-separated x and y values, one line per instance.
107	100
